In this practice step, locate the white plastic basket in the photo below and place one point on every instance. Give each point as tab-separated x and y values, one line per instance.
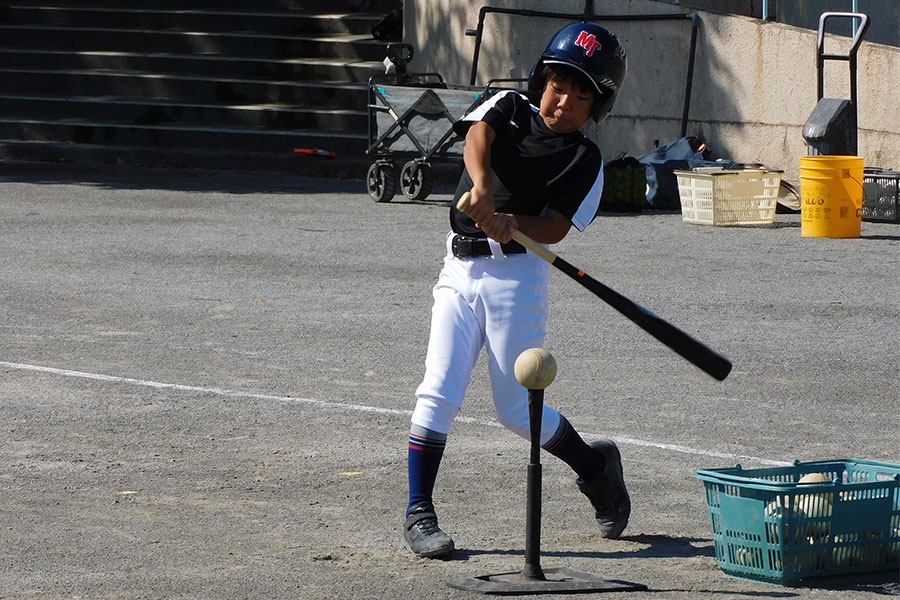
716	196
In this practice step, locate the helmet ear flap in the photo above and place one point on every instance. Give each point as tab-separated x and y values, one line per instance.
536	79
604	102
600	111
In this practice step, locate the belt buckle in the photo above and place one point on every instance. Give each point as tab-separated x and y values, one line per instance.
462	247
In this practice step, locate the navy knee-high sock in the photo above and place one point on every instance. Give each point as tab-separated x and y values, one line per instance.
426	448
569	447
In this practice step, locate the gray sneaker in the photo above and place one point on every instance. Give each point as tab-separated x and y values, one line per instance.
606	491
422	535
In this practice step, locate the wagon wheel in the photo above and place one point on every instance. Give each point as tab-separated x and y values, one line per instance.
416	180
381	182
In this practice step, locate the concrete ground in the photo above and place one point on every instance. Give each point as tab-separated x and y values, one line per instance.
206	382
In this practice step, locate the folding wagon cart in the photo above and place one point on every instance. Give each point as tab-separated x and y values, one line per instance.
411	118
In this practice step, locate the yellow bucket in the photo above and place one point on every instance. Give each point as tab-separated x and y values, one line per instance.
831	195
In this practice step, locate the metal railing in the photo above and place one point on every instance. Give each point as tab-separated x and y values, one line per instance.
589	15
766	15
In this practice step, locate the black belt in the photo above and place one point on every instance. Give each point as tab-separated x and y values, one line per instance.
467	247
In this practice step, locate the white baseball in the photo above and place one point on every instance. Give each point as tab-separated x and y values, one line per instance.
535	368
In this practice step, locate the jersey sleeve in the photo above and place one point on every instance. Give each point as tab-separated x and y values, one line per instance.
497	111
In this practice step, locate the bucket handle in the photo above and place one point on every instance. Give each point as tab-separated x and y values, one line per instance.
845	174
848	175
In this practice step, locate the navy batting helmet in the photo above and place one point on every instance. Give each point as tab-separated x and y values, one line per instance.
594	51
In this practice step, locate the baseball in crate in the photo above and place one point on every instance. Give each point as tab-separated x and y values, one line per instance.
811	520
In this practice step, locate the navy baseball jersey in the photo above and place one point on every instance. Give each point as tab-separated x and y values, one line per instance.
534	167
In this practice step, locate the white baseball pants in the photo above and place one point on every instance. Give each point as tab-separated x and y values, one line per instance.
497	302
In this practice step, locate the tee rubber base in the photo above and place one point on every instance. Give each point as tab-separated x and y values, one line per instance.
555	581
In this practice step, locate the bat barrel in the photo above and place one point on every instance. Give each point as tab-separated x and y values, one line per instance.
689	348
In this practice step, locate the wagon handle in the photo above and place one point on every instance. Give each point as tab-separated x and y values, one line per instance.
821	57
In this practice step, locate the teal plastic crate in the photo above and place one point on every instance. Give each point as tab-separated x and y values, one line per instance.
769	526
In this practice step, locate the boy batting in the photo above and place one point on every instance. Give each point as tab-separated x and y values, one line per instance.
528	168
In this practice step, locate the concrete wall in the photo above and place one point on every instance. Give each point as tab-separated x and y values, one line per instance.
754	82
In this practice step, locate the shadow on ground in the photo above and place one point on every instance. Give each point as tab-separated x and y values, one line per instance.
653	546
182	180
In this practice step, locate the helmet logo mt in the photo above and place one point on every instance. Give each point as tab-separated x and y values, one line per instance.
588	41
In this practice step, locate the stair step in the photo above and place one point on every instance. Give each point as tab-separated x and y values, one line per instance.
206	90
147	112
297	69
347	167
166	136
250	44
317	6
272	22
217	83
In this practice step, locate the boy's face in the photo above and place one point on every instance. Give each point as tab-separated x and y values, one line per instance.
564	107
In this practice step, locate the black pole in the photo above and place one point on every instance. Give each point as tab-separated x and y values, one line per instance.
854	125
532	579
686	106
588	10
478	33
532	569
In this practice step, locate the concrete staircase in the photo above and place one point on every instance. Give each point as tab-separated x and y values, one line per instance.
232	84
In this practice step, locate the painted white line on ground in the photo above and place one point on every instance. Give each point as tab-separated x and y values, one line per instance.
362	408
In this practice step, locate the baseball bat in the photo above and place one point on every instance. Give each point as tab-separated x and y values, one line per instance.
687	347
